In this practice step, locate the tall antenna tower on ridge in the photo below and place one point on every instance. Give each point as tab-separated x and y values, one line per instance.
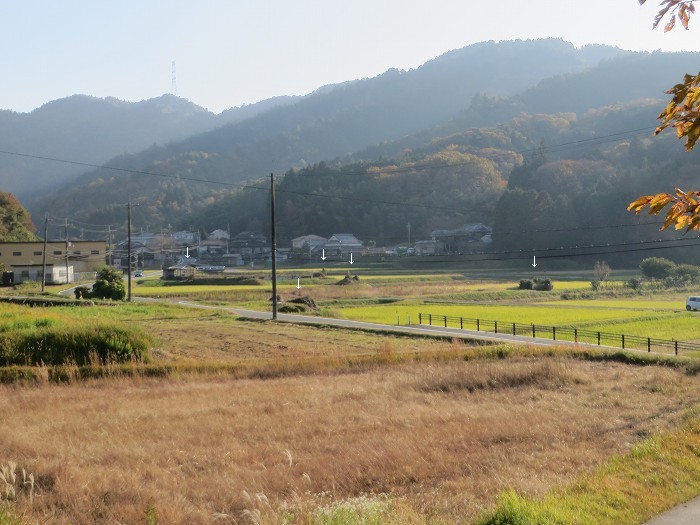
173	88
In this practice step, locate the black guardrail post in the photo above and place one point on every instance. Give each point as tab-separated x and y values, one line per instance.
513	327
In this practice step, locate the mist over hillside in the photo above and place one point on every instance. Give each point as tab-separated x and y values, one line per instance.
93	130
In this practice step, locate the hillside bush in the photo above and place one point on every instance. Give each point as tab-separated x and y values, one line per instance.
656	267
636	283
544	285
525	284
109	285
686	273
74	345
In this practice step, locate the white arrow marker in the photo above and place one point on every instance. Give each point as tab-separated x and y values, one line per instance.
351	261
298	283
534	262
188	252
323	254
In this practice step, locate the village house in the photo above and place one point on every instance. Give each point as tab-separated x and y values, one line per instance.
313	241
470	238
343	244
251	246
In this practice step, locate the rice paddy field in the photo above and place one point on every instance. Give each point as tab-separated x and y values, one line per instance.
399	298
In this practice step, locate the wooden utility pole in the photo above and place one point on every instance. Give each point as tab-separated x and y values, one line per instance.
128	249
274	246
43	261
110	257
67	279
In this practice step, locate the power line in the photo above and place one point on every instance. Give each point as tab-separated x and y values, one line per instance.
550	253
412	168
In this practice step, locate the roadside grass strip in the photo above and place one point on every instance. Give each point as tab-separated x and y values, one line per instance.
657	474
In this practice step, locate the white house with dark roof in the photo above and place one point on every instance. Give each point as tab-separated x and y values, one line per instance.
343	244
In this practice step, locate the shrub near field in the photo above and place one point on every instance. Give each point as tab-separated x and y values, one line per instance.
73	345
35	337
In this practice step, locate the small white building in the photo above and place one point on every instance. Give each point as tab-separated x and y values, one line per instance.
55	274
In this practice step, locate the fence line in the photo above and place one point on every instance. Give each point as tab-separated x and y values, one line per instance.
555	333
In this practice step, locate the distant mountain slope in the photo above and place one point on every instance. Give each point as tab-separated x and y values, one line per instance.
342	119
637	79
94	130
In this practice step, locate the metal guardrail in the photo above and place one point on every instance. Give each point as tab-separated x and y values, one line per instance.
624	341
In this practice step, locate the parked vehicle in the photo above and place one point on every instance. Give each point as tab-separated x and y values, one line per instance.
693	303
138	274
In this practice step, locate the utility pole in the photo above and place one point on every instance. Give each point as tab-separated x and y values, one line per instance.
43	262
274	246
109	246
67	279
128	248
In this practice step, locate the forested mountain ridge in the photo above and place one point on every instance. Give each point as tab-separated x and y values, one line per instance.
502	176
93	130
342	119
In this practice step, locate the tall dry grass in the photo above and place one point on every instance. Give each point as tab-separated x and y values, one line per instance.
439	440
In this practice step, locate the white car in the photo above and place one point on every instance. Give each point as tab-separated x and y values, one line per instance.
693	303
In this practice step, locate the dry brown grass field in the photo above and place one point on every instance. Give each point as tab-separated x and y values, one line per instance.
439	439
223	339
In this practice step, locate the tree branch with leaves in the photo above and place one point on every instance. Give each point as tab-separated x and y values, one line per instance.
682	113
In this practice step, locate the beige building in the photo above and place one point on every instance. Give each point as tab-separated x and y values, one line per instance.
83	256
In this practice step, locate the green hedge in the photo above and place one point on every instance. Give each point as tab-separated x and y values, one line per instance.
74	345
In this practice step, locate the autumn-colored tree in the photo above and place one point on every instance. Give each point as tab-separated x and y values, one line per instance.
15	223
682	113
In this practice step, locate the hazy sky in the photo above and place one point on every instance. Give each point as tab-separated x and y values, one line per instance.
234	52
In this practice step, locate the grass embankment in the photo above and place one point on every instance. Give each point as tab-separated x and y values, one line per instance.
31	336
657	474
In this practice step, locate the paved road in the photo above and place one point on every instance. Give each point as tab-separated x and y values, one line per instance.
686	514
431	331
